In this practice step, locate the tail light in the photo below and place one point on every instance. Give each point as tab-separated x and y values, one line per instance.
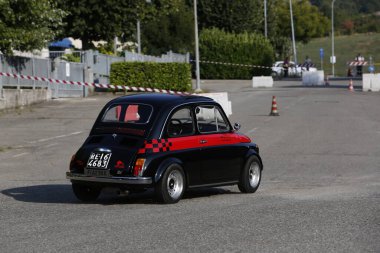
139	166
76	164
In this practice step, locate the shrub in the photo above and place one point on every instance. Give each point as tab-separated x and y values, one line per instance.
70	58
252	49
173	76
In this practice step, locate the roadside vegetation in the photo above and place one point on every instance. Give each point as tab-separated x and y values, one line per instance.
346	49
173	75
243	48
168	25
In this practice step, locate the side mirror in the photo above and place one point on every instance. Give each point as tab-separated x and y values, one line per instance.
237	126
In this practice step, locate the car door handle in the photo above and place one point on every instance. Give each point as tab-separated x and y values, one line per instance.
202	141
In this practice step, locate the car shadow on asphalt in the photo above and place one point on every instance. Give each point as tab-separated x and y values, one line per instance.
62	194
47	193
149	196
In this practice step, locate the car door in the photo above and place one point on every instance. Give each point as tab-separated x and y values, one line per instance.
182	136
221	155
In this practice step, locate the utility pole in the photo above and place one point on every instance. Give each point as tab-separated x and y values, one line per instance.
332	38
198	88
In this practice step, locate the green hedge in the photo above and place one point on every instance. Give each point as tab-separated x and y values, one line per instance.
173	76
219	46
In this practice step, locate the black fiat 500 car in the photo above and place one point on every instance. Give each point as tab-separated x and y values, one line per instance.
167	142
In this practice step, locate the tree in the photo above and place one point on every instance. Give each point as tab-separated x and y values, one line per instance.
348	26
243	48
240	16
26	25
308	21
281	45
361	12
173	31
94	20
231	16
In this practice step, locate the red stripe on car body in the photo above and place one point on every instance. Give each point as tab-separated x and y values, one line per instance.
188	142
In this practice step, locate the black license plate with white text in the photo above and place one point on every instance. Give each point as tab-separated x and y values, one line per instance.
99	160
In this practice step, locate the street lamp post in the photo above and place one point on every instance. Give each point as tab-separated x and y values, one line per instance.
139	33
198	82
332	38
265	19
138	37
293	37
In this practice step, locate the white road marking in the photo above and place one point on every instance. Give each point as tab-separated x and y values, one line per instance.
19	146
55	137
252	130
18	155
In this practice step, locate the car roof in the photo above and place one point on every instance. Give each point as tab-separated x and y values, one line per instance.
163	105
161	99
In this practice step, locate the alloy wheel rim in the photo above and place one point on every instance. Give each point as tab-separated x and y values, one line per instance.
175	184
254	174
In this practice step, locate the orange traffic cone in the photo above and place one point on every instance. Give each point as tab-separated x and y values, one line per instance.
274	111
351	86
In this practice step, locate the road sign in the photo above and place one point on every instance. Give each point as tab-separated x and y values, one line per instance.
332	59
321	53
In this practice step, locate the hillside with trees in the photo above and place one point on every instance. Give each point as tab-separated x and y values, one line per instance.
352	16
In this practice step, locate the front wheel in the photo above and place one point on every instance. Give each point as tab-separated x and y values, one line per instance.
250	177
85	193
171	186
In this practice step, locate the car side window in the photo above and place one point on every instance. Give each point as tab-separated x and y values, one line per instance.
210	120
180	123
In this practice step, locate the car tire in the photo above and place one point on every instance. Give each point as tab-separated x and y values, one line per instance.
86	193
275	75
171	187
250	177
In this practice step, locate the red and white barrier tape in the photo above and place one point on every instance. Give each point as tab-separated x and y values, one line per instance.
233	64
98	85
357	63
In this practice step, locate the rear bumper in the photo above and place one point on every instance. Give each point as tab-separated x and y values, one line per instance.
110	180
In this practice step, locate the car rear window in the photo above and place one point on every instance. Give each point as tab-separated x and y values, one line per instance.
128	113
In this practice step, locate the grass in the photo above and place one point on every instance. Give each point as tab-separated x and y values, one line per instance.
346	48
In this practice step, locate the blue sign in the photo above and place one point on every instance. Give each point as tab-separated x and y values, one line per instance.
321	53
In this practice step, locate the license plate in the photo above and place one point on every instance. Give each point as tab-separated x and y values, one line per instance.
97	173
99	160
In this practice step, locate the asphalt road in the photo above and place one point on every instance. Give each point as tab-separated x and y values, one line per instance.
320	190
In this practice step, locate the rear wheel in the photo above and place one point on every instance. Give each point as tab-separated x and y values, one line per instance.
85	193
171	186
250	177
